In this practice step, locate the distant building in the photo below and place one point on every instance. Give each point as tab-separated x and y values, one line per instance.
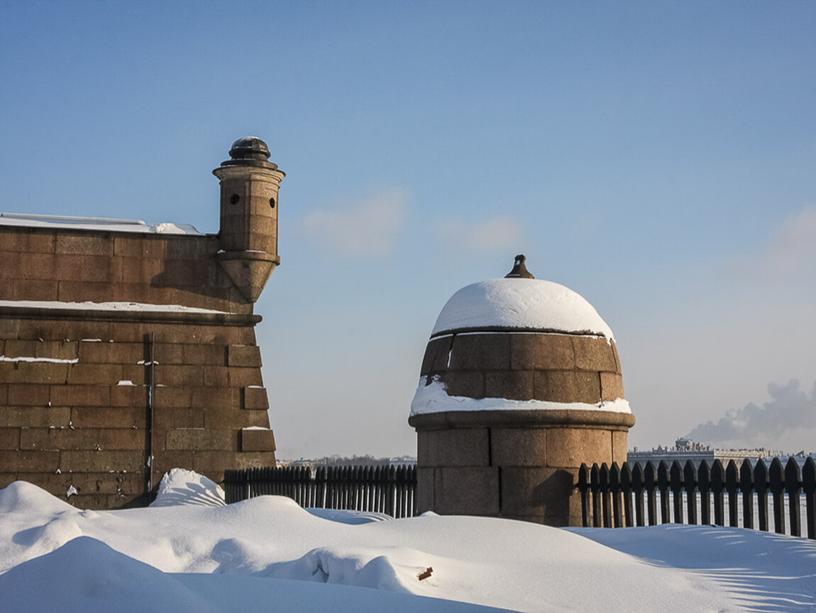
685	449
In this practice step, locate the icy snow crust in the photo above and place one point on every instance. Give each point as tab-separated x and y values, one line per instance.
434	398
106	306
269	554
104	224
520	303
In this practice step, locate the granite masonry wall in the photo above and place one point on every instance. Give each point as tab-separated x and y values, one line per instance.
518	464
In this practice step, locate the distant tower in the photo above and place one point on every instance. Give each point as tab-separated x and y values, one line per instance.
249	215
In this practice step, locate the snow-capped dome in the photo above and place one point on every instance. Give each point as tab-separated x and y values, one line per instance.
520	303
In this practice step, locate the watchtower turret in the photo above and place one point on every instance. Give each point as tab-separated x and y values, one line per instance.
249	215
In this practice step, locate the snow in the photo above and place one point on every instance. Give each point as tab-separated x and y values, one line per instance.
105	306
434	398
269	552
126	382
4	358
521	303
104	224
185	487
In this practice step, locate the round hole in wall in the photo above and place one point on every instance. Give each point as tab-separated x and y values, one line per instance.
234	199
272	203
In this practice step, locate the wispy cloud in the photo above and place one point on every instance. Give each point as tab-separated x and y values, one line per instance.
491	234
791	249
367	227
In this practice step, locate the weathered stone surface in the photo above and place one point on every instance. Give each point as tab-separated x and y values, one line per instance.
29	461
511	384
28	395
594	353
620	447
541	352
519	446
82	438
100	461
257	440
9	438
611	386
466	490
244	355
80	395
35	416
480	352
568	386
202	439
570	447
108	417
254	398
459	447
94	374
436	355
536	491
464	383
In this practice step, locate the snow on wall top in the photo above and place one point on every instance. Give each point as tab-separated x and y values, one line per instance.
104	224
520	303
107	306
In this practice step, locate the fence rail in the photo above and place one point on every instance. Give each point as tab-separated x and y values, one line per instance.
614	496
381	489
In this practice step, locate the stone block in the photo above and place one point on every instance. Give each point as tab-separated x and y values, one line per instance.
84	244
33	372
254	398
243	377
518	446
140	270
9	438
466	490
177	397
620	447
571	447
593	353
60	350
27	241
257	440
216	398
94	374
464	383
244	355
615	353
511	384
163	461
201	439
568	386
179	375
216	376
139	247
211	355
130	396
111	353
7	478
611	386
80	395
33	266
82	438
108	417
11	417
436	356
453	447
85	268
537	491
101	461
167	354
425	489
166	418
480	352
541	352
28	395
29	289
230	418
29	461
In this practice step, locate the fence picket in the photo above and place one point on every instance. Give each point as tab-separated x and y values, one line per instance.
793	487
809	488
746	486
761	489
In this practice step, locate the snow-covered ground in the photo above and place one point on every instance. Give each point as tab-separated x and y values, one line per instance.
191	553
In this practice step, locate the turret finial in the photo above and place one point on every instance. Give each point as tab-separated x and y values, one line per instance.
519	269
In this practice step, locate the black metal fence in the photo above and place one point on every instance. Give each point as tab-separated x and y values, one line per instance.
613	496
381	489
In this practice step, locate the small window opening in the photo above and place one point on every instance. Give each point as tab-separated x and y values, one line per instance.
271	203
235	199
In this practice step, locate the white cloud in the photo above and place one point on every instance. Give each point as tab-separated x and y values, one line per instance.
367	227
492	234
792	248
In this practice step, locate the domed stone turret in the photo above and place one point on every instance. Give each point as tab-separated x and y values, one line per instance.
520	384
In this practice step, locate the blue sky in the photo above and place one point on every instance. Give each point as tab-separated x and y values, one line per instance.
659	158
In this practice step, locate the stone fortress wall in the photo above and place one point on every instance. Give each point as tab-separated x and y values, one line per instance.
127	352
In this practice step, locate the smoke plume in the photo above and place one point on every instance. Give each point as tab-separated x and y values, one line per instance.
776	422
